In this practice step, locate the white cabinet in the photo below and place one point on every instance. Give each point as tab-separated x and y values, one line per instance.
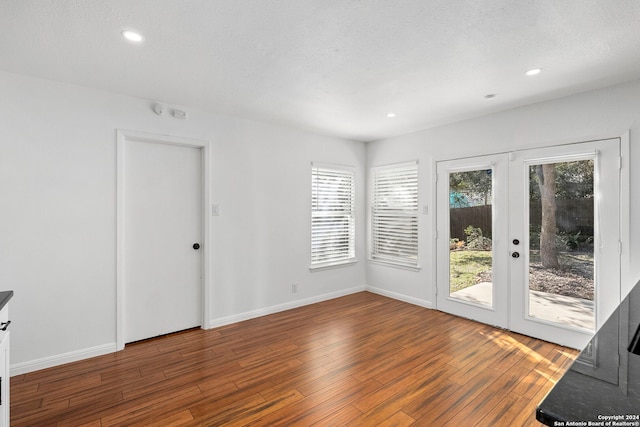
5	375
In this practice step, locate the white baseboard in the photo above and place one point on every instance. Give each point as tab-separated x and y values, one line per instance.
214	323
61	359
400	297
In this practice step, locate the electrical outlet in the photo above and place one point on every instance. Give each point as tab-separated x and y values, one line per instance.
294	288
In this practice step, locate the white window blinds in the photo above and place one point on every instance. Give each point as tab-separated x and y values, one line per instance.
394	234
332	215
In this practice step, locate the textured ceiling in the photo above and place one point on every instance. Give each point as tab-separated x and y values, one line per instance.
334	67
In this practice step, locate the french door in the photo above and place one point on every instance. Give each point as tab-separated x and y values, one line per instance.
529	240
472	269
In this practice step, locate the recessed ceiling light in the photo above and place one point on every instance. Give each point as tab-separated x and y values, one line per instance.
490	96
533	71
132	36
391	115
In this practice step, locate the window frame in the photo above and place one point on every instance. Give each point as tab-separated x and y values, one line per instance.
317	214
404	217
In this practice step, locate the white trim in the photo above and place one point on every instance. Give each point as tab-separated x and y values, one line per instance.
545	160
626	280
435	232
471	167
206	232
122	137
120	241
60	359
543	144
401	297
335	264
334	166
240	317
395	264
395	165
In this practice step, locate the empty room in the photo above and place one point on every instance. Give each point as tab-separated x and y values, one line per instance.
319	212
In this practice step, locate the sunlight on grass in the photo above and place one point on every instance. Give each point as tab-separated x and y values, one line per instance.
466	268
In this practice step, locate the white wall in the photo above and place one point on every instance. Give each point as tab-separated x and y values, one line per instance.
603	113
58	214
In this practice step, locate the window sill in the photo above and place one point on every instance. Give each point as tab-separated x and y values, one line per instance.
395	265
327	266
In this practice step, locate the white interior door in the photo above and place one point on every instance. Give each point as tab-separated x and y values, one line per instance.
502	261
162	222
472	275
565	295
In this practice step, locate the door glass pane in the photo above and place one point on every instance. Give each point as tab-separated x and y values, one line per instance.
470	226
561	236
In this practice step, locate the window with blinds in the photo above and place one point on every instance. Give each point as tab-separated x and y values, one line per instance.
332	215
394	216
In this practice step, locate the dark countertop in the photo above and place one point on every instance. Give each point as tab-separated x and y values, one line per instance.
5	296
603	383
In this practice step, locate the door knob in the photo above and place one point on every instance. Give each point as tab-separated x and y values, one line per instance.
196	246
515	255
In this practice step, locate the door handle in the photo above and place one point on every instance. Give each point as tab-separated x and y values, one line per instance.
515	255
196	246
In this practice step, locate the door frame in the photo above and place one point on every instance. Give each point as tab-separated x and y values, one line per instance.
626	282
124	136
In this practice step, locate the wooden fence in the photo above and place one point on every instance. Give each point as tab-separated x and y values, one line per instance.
571	216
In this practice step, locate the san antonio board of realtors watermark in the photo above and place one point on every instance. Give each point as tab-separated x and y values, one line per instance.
604	421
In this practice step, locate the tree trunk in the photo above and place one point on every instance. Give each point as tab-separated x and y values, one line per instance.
547	183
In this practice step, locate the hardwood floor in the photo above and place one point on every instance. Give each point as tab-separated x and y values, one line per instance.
359	360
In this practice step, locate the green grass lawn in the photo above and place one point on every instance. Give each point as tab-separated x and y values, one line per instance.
466	267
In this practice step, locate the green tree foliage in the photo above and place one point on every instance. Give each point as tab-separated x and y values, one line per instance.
475	185
574	180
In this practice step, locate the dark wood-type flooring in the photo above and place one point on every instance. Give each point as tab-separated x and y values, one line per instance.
359	360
